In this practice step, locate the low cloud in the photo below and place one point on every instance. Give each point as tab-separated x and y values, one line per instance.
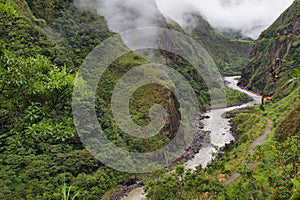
250	17
123	15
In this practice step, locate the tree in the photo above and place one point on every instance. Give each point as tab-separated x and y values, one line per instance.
181	184
35	98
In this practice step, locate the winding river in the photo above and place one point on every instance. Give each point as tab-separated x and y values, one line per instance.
220	134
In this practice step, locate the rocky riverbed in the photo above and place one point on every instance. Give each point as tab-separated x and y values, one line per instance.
213	130
201	140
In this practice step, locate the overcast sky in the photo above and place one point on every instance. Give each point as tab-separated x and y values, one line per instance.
249	16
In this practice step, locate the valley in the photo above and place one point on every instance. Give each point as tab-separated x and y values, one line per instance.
245	148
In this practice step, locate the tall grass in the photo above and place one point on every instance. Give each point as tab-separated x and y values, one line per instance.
66	190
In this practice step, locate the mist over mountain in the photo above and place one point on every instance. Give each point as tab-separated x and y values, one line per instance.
126	15
250	17
228	54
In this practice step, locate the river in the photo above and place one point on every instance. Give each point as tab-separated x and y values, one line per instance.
220	134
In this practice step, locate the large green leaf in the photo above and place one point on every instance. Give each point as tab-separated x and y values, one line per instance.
296	73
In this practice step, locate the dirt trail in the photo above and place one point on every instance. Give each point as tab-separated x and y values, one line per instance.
258	141
261	139
136	194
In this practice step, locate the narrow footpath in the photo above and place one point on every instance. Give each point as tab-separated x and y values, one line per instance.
258	141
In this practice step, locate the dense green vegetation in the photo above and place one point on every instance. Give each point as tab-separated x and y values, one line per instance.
230	55
43	44
272	170
234	97
181	184
39	146
209	182
274	55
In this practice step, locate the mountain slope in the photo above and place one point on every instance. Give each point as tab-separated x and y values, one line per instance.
275	54
39	149
272	172
229	54
43	43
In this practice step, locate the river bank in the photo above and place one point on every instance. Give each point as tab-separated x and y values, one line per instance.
214	132
201	140
220	127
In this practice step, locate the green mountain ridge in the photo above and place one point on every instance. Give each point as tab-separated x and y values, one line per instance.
229	54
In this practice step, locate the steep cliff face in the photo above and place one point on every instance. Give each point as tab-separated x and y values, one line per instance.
274	54
290	126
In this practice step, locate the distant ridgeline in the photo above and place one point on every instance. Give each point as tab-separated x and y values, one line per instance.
274	56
